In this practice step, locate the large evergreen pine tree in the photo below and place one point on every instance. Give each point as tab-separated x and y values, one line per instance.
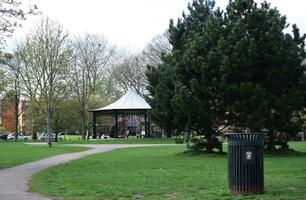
261	69
236	67
177	94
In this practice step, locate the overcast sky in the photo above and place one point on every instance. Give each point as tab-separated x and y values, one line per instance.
131	24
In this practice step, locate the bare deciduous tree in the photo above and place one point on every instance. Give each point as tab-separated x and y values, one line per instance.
49	57
91	59
11	13
28	86
156	49
14	68
130	73
3	82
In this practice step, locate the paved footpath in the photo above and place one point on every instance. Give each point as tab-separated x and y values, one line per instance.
14	181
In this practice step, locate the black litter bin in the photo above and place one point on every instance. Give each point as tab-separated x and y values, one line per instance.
245	163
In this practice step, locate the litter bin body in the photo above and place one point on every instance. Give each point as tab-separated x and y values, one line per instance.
245	163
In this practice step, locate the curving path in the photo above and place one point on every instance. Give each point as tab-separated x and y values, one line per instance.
14	181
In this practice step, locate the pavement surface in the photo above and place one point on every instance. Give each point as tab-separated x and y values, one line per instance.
14	181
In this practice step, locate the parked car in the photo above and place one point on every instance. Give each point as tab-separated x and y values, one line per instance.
11	136
3	136
105	137
44	136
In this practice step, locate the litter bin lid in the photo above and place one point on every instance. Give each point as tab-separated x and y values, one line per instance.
227	134
245	137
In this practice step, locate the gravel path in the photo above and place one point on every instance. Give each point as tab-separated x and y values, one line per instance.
14	181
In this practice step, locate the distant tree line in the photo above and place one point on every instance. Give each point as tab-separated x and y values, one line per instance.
62	76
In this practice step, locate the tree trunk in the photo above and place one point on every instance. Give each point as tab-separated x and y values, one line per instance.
31	128
83	123
31	119
188	138
168	132
56	137
16	116
208	136
48	115
271	142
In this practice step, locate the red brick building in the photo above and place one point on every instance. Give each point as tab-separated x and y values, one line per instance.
7	117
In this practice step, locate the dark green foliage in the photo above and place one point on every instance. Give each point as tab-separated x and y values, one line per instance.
236	67
261	69
176	87
162	91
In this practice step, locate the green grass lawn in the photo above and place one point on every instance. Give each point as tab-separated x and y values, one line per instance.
165	173
16	153
131	140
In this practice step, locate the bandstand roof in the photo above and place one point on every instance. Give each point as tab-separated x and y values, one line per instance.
131	101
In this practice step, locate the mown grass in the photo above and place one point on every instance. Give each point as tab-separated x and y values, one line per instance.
16	153
131	140
165	173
